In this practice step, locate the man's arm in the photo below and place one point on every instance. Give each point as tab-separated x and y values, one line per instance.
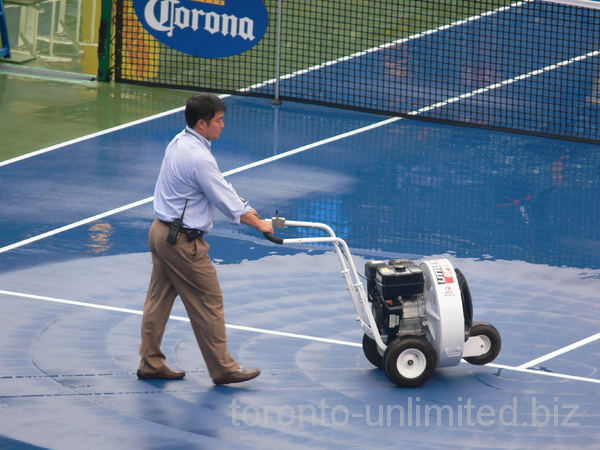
251	218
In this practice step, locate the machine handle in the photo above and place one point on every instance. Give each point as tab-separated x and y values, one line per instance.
272	238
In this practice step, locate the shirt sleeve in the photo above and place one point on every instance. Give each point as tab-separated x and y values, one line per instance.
219	192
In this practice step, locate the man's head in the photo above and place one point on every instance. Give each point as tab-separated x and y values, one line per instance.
204	113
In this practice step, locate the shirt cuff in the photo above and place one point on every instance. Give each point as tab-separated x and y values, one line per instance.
236	219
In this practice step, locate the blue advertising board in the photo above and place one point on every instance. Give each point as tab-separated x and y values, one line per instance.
205	28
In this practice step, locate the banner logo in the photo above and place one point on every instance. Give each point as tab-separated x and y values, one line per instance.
205	28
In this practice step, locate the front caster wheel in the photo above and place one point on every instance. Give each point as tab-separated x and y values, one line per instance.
492	343
409	361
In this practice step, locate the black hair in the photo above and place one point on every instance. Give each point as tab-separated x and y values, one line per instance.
203	107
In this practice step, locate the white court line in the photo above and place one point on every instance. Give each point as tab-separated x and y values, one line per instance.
277	333
89	136
179	318
521	368
98	133
271	81
225	174
318	143
547	374
593	4
389	44
39	237
307	147
506	82
559	352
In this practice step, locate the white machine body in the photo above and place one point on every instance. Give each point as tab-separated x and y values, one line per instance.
414	318
444	308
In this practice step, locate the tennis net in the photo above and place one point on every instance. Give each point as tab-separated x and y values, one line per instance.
530	66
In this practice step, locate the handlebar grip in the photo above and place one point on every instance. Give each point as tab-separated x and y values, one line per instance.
274	239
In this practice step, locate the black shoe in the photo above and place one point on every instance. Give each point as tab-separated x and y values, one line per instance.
164	375
237	377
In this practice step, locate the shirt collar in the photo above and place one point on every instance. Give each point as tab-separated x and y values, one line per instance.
198	136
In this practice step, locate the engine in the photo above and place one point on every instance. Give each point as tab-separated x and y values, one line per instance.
395	290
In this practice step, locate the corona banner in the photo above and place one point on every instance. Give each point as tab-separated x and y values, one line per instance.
205	28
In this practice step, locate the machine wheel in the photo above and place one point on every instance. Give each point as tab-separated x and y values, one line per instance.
492	341
467	302
409	361
372	352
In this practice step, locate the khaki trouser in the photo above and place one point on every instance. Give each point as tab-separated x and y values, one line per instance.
184	269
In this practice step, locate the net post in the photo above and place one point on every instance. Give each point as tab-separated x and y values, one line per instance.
104	41
277	100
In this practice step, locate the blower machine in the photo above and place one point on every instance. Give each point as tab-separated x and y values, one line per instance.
415	318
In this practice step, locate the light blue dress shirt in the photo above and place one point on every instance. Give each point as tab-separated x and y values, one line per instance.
190	171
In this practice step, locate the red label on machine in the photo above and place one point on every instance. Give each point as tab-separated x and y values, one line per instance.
446	271
443	272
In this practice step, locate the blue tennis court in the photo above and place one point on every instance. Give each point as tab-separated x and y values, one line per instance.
517	214
507	67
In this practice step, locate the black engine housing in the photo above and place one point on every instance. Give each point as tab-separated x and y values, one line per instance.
393	288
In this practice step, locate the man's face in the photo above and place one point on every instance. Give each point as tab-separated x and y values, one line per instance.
212	130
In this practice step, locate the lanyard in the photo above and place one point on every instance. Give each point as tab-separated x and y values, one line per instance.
189	132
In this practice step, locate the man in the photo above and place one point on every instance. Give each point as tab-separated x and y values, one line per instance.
191	187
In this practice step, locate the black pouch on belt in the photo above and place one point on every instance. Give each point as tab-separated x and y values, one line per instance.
192	235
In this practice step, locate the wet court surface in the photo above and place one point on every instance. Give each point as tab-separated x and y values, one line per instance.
517	214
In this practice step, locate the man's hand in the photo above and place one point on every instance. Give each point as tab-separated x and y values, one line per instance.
265	227
252	218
